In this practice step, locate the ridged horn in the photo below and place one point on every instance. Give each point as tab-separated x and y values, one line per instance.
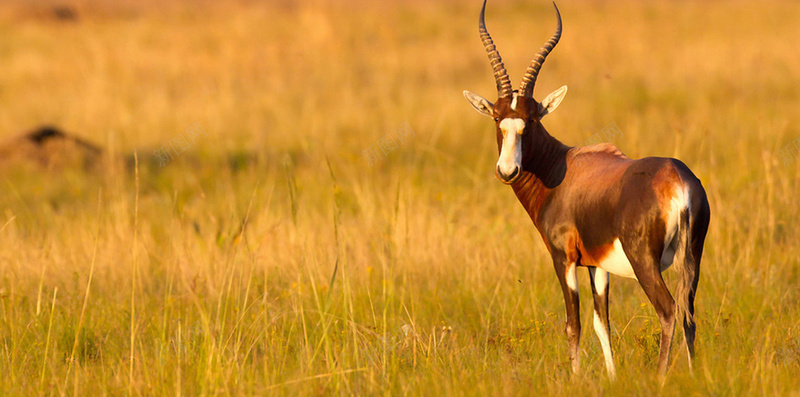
529	79
500	73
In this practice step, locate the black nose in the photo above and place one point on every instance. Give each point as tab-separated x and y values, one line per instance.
507	178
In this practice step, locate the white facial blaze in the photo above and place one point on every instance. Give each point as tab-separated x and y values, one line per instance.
511	152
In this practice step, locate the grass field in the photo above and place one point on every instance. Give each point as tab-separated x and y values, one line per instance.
270	257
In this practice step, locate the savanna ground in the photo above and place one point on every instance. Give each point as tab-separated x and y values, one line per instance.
271	257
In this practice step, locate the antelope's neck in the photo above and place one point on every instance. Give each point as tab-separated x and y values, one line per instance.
543	171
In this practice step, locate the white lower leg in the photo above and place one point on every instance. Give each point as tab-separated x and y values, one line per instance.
602	333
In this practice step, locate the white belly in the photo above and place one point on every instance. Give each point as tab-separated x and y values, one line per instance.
616	262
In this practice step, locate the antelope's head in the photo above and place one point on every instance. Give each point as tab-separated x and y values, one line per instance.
516	114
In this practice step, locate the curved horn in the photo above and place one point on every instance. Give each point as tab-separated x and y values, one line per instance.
529	80
500	73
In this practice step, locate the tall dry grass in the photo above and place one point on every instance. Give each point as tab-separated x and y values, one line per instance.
271	258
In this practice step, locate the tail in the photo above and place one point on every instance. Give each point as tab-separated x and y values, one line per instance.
687	267
690	234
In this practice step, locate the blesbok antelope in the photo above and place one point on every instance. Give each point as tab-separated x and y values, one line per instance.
596	208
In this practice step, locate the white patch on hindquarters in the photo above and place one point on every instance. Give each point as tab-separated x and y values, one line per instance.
677	204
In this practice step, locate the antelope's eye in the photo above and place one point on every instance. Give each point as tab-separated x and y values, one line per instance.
496	119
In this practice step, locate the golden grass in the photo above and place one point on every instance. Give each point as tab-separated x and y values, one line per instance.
270	258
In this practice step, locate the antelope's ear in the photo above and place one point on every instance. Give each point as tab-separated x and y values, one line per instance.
552	101
479	103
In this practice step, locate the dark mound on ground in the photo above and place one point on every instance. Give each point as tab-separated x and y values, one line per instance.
49	147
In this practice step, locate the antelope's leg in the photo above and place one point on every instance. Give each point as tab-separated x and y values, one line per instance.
602	328
569	286
660	297
648	273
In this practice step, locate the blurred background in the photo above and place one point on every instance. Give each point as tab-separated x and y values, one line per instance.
246	197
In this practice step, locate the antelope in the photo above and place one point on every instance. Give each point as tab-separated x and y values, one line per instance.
596	208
